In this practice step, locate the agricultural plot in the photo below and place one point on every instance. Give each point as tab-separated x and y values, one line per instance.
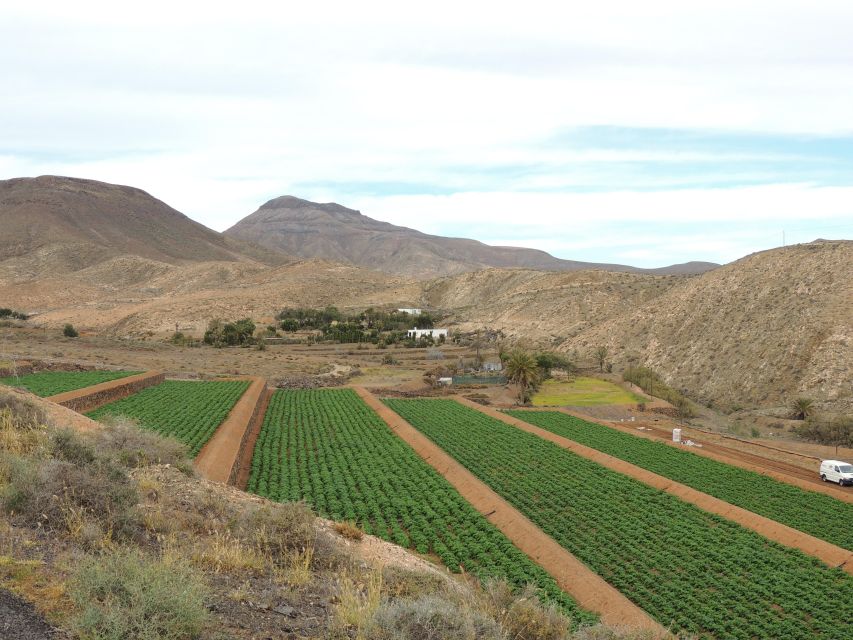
582	392
51	383
814	513
696	571
186	410
330	449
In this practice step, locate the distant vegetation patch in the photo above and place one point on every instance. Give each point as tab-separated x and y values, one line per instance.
50	383
6	313
374	326
650	382
582	392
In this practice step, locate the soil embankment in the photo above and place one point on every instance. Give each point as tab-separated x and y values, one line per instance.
588	588
90	398
220	455
830	554
241	471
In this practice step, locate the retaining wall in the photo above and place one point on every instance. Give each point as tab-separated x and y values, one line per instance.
90	398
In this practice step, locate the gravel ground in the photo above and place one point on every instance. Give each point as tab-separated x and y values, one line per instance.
19	621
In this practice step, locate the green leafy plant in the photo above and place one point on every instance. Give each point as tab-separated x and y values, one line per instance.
329	448
699	573
186	410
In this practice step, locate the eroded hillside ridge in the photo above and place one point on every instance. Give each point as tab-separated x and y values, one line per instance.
334	232
760	331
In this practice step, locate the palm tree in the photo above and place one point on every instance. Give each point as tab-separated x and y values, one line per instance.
601	354
522	370
802	408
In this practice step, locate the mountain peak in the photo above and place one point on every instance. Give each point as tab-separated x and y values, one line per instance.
331	231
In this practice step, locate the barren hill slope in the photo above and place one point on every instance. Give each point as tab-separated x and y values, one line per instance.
758	331
53	224
333	232
543	306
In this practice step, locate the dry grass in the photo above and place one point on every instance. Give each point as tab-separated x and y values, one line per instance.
358	602
349	530
222	552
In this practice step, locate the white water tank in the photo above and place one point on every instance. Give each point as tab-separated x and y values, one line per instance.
676	435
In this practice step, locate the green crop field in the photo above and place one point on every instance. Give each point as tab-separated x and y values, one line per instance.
186	410
582	392
50	383
690	569
815	513
330	449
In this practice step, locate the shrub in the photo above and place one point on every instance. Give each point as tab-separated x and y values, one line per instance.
69	331
11	313
349	530
431	618
278	529
125	596
522	616
22	425
70	490
24	412
123	441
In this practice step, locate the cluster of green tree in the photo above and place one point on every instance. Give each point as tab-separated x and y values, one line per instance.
375	326
835	431
529	370
650	382
11	313
220	334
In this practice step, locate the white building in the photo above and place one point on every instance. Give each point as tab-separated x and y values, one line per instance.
411	312
435	334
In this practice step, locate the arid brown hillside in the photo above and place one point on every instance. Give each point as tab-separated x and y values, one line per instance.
54	225
333	232
543	306
757	332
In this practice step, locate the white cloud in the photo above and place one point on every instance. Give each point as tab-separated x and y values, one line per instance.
217	107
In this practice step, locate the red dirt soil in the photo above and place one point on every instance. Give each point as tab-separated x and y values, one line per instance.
219	456
776	469
90	398
587	588
829	553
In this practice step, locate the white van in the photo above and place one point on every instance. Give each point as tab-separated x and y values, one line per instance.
836	471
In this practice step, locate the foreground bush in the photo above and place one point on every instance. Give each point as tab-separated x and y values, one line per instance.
126	596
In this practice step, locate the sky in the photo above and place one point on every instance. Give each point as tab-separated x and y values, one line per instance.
642	133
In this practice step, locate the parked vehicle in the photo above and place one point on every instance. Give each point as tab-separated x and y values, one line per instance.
836	471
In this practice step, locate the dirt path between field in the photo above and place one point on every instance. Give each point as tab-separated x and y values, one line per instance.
243	469
590	591
829	553
776	469
90	398
218	457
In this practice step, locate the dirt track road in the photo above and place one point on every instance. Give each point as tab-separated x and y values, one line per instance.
829	553
220	454
589	590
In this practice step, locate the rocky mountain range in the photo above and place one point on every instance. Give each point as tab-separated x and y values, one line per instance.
333	232
113	259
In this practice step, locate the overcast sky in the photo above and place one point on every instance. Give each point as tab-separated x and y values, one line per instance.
636	132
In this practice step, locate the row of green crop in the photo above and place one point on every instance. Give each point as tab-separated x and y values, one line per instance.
183	409
330	449
51	383
815	513
698	572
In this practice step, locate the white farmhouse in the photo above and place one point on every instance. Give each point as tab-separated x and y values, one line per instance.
435	334
411	311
